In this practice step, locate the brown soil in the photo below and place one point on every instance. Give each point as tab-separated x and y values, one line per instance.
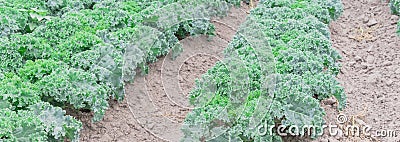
192	69
364	35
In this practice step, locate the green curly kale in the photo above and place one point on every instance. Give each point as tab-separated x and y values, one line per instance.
12	21
245	91
105	63
317	8
395	7
76	87
41	122
56	123
31	47
18	92
21	126
79	53
10	59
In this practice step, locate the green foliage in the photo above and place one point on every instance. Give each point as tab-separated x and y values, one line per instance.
18	92
56	123
21	126
105	63
71	62
31	47
59	7
24	4
395	7
59	29
317	8
10	59
75	87
33	71
284	13
21	16
242	92
79	53
41	122
12	20
79	42
156	35
71	54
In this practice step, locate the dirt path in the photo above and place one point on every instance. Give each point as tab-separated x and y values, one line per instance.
365	37
150	112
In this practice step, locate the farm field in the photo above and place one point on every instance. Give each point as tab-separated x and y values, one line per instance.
204	70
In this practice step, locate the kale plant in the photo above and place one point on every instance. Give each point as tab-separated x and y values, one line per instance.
78	54
278	67
395	7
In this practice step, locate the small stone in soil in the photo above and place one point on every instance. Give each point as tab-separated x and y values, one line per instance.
394	18
370	59
358	58
372	22
364	19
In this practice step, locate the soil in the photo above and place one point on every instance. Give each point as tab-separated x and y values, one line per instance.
365	36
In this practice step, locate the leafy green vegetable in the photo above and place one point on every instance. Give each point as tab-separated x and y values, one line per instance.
76	87
35	70
56	123
42	122
21	126
248	88
105	63
395	7
18	92
31	47
10	59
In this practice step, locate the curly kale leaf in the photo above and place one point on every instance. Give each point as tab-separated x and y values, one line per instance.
75	87
284	13
313	7
12	21
305	70
320	85
105	63
10	58
79	42
41	122
56	123
31	47
35	70
21	126
395	6
18	92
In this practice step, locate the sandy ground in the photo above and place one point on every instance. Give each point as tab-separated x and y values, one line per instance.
364	35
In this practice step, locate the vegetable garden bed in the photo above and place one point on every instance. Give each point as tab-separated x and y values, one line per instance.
123	68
